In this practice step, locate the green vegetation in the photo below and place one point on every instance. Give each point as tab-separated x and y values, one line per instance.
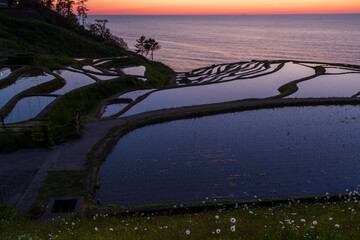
43	31
88	98
15	138
59	184
298	220
84	100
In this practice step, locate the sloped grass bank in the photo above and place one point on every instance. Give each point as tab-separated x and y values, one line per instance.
24	33
88	98
337	220
85	101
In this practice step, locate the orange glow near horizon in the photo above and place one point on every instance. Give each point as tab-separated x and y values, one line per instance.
187	7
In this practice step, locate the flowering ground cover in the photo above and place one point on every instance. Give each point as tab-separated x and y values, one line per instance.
337	220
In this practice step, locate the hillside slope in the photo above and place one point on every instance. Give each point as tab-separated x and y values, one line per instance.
45	32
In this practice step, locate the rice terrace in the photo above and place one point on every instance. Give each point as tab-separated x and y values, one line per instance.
101	142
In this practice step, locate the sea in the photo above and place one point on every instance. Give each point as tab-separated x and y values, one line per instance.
193	41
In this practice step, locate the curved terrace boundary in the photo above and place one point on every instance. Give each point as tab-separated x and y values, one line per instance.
130	123
38	90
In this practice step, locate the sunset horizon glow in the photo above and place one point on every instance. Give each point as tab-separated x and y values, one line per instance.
225	7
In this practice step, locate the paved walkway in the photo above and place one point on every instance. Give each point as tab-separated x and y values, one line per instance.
22	172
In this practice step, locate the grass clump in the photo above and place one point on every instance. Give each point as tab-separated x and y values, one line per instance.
59	184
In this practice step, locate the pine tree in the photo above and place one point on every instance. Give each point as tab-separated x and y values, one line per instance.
140	46
150	46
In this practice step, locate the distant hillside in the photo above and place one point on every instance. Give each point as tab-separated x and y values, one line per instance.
43	31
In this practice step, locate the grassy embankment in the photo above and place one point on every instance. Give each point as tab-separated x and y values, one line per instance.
44	32
299	220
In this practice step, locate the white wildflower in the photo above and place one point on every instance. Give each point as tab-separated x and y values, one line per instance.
188	232
233	220
232	228
218	231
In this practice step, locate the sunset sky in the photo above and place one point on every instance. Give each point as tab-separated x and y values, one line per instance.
140	7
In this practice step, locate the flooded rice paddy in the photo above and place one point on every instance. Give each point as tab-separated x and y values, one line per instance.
4	72
228	72
267	153
73	80
333	70
28	108
23	83
113	109
92	69
104	77
135	71
135	94
260	87
342	85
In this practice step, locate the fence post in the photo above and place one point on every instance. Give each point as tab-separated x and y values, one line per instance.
77	123
2	120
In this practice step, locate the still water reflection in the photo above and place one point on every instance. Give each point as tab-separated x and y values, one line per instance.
269	153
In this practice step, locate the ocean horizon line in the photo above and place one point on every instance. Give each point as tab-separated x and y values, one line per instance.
240	14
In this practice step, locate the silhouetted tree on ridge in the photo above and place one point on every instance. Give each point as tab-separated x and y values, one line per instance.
49	4
147	45
150	46
140	46
64	10
99	28
82	10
